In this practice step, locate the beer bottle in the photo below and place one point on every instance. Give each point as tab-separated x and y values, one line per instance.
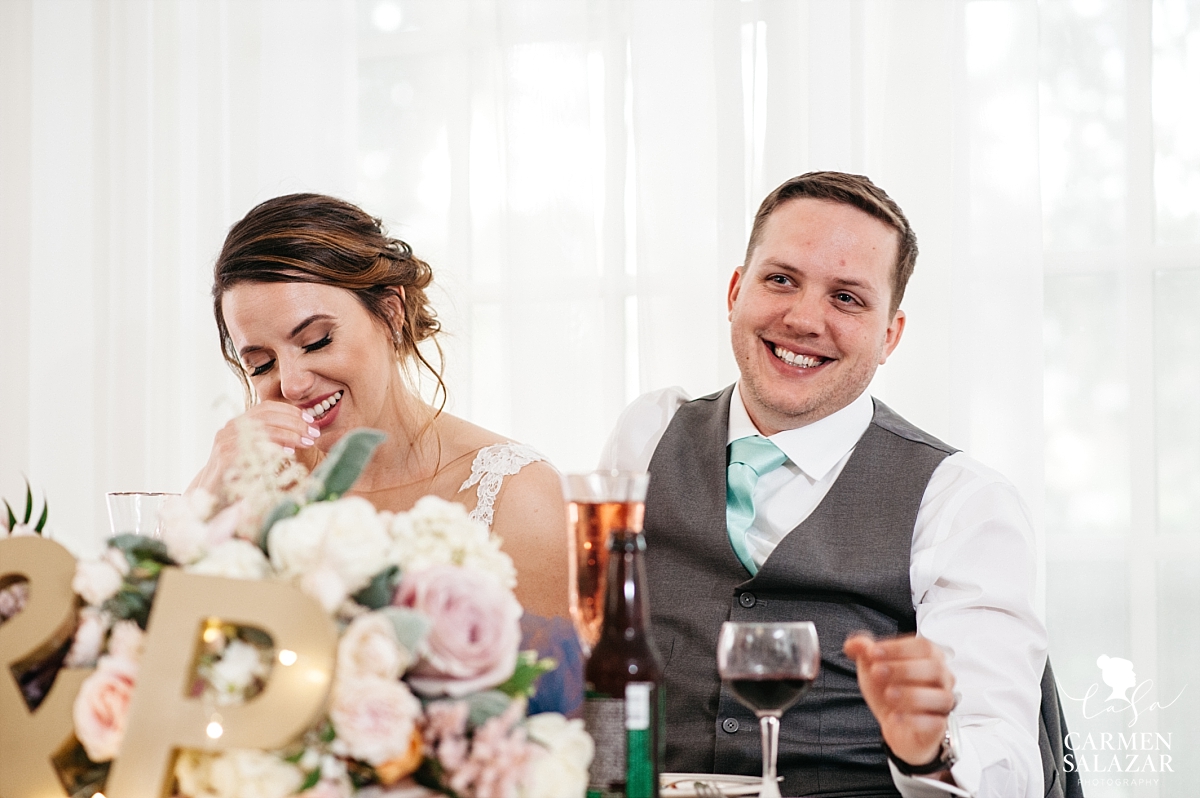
623	707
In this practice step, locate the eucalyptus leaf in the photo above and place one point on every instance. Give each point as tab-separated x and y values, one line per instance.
129	605
310	780
140	547
285	509
341	468
485	706
379	592
525	676
410	625
255	636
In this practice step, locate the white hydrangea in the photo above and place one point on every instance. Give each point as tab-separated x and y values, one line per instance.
439	532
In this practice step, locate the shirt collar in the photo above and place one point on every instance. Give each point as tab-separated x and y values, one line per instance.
814	448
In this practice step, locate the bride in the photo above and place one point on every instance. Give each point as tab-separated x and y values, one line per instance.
319	314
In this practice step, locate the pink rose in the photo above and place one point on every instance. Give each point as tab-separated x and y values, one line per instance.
102	706
476	631
374	718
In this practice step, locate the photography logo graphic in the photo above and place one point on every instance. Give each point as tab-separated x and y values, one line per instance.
1125	757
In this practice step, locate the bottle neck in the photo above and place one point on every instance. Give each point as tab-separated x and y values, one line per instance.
626	609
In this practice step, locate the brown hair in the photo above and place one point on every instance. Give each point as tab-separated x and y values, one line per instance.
853	190
312	238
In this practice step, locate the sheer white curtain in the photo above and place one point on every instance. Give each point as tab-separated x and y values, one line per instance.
132	134
581	174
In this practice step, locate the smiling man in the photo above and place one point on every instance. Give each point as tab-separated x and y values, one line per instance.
793	495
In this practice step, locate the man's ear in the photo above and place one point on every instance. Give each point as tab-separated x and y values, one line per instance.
735	285
894	331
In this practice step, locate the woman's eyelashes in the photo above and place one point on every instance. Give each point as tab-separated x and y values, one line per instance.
324	342
263	368
259	370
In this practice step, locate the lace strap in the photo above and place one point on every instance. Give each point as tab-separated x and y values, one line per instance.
489	468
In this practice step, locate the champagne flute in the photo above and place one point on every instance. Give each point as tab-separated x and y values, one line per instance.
598	504
768	666
135	512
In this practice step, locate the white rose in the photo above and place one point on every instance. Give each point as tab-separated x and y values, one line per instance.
240	663
89	638
294	544
369	648
356	543
563	771
346	535
234	559
326	586
374	718
96	581
23	530
236	774
126	642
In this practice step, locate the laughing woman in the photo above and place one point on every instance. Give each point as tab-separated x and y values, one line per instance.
320	315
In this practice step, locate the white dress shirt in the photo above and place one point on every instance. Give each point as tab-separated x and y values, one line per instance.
973	572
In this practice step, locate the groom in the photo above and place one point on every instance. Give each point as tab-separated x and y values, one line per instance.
793	495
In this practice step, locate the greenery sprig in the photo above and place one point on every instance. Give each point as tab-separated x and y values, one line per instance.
12	517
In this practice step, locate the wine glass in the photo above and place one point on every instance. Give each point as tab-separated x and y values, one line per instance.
768	666
598	504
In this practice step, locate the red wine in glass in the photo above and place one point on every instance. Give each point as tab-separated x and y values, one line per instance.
768	667
771	694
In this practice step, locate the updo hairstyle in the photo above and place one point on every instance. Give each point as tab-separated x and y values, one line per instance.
312	238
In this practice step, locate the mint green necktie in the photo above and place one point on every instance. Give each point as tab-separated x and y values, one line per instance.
749	459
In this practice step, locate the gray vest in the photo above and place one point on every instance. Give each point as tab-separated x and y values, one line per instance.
845	568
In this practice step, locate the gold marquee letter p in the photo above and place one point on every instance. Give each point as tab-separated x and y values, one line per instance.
162	719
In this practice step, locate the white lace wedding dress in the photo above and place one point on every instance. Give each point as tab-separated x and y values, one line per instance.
488	470
561	690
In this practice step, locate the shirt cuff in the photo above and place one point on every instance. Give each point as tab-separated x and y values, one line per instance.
966	773
924	787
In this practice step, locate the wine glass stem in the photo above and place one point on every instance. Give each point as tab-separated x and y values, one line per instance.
770	749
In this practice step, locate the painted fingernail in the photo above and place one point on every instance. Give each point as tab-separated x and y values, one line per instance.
308	417
307	441
313	431
289	450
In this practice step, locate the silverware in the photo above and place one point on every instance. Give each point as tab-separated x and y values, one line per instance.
706	790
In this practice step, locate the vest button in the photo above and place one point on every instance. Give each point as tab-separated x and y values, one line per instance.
747	600
730	725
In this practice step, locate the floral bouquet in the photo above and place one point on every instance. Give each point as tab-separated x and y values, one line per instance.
429	691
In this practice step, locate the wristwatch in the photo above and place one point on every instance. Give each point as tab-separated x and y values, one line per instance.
947	755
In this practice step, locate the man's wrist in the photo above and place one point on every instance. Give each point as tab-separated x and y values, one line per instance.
945	758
